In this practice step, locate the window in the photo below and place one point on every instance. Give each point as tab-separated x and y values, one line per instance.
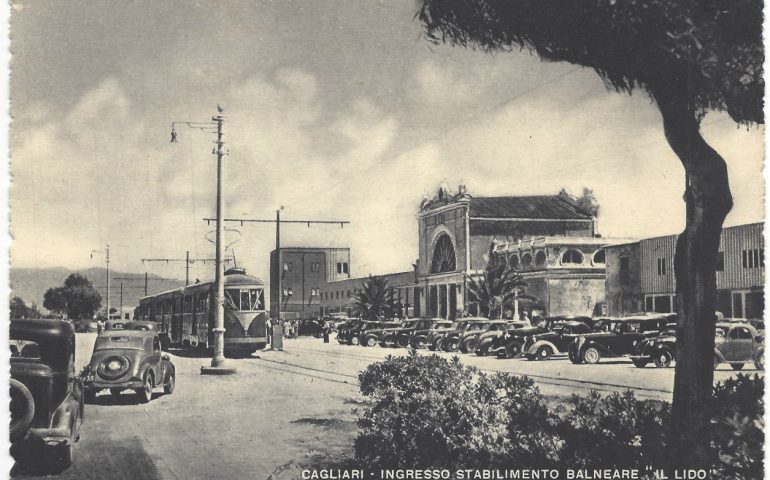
344	267
600	257
662	266
315	267
188	301
540	258
720	266
287	266
572	256
624	271
514	261
753	258
339	267
156	344
526	260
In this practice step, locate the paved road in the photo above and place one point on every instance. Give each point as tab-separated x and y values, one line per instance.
281	410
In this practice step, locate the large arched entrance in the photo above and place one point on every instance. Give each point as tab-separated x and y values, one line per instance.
444	259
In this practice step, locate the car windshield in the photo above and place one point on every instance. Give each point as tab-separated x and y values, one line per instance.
25	349
722	331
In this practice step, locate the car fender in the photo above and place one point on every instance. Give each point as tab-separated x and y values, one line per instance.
759	353
666	347
540	343
484	342
67	416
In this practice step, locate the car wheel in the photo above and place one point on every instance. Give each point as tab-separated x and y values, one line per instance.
514	350
371	341
145	393
452	346
168	388
544	353
736	366
22	409
354	341
483	351
759	363
640	362
592	355
402	342
115	392
663	359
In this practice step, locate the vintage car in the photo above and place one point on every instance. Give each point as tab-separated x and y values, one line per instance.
470	337
128	359
555	341
738	344
619	337
46	395
450	341
511	343
491	341
435	339
372	336
343	330
400	336
659	349
419	338
356	332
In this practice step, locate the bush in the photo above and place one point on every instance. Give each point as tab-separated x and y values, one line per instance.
429	412
616	430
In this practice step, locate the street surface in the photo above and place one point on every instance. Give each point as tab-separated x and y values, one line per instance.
283	410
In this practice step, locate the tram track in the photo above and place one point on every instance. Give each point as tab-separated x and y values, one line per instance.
558	381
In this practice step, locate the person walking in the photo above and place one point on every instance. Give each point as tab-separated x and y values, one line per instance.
269	332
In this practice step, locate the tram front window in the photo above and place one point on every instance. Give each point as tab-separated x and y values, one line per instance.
247	299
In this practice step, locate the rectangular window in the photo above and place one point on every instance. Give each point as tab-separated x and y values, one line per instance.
662	266
649	304
753	258
287	266
344	267
233	298
720	266
339	267
315	267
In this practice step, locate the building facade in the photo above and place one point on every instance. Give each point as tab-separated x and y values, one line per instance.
640	275
339	296
306	272
456	231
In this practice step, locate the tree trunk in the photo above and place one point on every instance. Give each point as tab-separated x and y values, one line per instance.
708	201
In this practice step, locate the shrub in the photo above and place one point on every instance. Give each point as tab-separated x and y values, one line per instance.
429	412
616	430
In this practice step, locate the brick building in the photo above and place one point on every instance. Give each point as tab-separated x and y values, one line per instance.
640	274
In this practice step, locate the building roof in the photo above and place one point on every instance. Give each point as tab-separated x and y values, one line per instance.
536	206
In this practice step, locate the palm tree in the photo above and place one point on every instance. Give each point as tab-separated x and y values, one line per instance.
375	299
497	287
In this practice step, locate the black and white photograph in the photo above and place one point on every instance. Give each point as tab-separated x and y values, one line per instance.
385	239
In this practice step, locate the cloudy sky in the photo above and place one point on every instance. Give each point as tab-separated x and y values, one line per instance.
335	110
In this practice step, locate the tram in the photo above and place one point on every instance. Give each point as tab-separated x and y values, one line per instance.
185	316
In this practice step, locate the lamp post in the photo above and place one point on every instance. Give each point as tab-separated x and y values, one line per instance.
106	253
218	359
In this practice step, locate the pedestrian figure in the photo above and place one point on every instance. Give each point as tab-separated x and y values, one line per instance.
269	332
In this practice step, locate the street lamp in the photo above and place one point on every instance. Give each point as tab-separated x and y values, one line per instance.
106	253
218	359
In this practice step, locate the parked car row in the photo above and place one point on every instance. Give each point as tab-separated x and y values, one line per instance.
47	396
644	338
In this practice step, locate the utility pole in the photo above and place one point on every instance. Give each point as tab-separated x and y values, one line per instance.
278	223
187	260
218	359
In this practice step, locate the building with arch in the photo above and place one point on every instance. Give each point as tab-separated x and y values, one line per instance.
456	231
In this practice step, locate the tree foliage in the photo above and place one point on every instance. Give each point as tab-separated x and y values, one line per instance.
496	288
375	299
710	50
19	309
77	298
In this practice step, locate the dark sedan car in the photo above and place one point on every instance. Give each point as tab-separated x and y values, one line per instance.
555	341
129	359
46	395
620	337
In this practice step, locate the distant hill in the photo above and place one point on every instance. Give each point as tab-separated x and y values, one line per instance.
31	284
